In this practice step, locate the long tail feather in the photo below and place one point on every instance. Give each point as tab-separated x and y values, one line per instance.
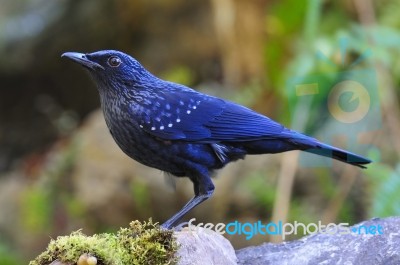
312	145
339	154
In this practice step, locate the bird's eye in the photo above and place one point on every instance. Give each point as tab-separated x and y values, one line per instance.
114	61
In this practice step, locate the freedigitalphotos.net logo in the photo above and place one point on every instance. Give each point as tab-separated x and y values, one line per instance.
249	230
343	104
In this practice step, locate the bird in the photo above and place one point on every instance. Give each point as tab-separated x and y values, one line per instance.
178	130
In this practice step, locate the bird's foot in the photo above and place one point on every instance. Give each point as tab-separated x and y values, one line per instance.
177	228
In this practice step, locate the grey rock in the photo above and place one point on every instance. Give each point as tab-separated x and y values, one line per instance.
204	246
379	246
333	249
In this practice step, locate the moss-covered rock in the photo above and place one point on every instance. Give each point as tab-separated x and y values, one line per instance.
141	243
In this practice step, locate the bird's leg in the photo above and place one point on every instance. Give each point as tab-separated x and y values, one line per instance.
203	189
196	200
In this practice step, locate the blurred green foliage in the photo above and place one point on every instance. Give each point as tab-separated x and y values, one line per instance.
39	203
384	186
8	256
141	198
179	74
327	46
37	211
261	188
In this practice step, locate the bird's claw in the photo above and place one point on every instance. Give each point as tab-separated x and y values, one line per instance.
179	227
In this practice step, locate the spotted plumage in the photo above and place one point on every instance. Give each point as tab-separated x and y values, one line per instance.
183	132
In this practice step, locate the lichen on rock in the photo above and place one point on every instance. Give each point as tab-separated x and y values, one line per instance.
141	243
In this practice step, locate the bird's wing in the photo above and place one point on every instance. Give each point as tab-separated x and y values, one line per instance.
238	123
192	116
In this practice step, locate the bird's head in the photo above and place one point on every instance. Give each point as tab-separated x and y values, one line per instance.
111	70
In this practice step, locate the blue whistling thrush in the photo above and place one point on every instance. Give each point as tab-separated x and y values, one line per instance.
178	130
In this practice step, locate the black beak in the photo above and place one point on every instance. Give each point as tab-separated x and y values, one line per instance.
83	60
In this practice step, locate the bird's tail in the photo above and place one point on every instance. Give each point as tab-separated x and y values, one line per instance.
312	145
339	154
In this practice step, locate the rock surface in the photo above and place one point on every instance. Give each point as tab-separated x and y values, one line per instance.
203	246
348	249
380	245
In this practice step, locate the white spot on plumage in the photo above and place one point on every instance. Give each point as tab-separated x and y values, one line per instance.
161	127
153	128
181	103
178	120
194	107
169	125
188	112
168	107
141	126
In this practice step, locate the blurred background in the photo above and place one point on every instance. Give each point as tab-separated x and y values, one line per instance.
61	171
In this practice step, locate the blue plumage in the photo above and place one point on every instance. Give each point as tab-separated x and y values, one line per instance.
183	132
192	116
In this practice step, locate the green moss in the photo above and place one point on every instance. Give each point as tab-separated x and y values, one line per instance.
141	243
